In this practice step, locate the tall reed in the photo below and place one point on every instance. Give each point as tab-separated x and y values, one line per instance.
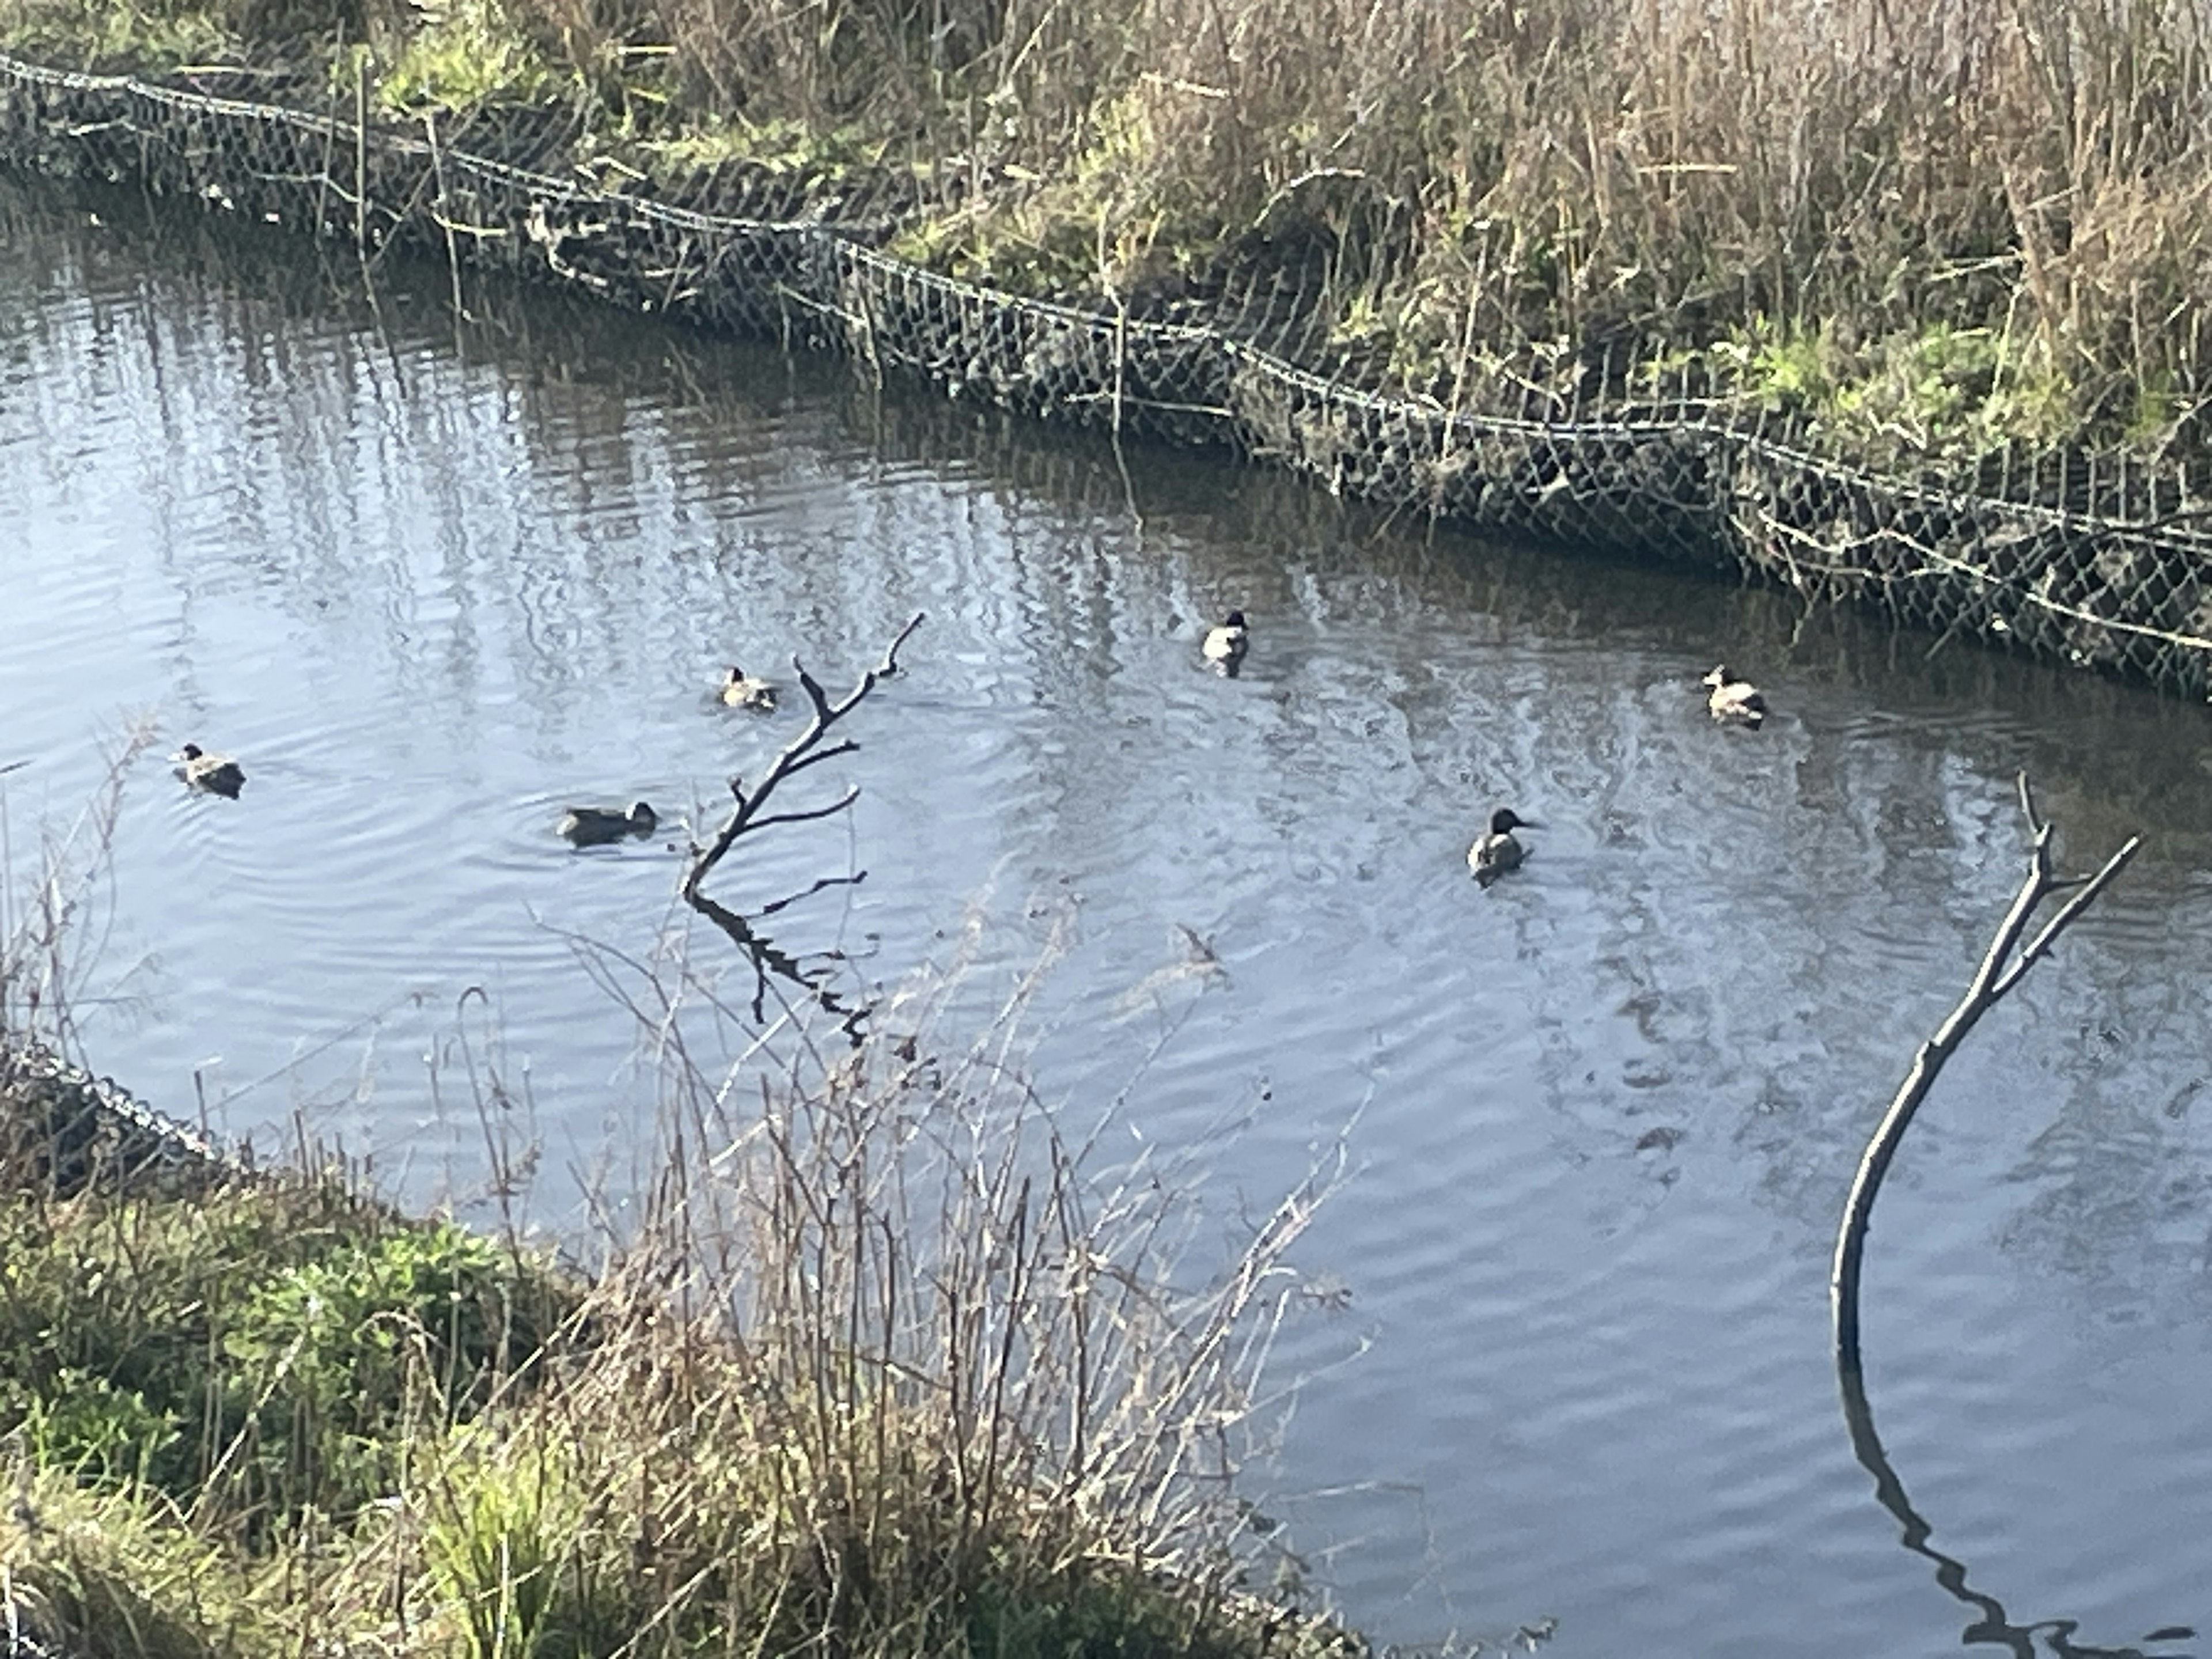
1667	172
970	1390
1995	209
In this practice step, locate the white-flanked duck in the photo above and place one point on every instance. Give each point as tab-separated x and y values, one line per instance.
744	691
1734	701
219	774
1225	646
1496	851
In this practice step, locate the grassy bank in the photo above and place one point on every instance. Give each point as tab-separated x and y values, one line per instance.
800	1414
1928	232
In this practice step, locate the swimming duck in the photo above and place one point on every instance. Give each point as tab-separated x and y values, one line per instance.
594	826
1225	646
1496	851
1734	701
744	691
218	774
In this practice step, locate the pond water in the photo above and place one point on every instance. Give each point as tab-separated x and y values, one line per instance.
431	579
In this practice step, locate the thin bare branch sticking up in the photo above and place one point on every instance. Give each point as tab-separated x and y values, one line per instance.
747	817
2000	971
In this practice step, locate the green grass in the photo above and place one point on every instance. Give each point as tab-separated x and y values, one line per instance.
90	35
264	1348
284	1413
201	1393
468	54
1938	391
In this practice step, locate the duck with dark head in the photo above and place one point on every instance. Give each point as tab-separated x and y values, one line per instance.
596	826
1225	646
216	775
1496	851
744	691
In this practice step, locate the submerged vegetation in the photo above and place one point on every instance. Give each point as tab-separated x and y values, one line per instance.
1928	232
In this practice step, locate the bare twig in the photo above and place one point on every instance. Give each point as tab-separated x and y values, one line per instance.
746	818
816	886
443	216
2000	969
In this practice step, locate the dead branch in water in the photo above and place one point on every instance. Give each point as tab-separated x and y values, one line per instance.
746	818
2000	971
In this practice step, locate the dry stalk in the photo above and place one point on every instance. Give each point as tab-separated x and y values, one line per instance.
936	1287
48	940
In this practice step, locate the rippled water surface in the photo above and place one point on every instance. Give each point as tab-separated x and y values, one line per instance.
431	581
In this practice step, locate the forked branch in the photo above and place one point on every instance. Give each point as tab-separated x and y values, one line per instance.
747	817
2004	966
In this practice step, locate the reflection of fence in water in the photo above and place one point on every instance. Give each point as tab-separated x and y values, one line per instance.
2093	561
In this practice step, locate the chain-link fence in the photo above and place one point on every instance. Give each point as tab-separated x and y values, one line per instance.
63	1132
2089	560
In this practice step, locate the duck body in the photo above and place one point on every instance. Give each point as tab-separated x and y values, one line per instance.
595	826
744	691
1734	701
1496	851
1225	646
218	774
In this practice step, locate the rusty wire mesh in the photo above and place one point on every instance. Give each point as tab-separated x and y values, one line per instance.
2091	559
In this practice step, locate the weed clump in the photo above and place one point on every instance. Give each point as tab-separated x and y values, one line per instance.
884	1369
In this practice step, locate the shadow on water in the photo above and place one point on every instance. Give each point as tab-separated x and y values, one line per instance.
1991	1627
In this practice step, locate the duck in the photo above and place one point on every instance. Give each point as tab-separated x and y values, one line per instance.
744	691
1496	851
1734	701
218	774
595	826
1225	646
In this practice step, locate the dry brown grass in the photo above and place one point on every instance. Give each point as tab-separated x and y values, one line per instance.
1455	184
1665	173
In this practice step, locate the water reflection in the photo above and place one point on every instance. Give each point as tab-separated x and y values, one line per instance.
434	583
1991	1627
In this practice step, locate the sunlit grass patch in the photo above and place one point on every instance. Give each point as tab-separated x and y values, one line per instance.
1938	393
778	145
115	1573
467	54
257	1353
108	36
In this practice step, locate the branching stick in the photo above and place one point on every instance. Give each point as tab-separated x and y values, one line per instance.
2000	969
746	818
